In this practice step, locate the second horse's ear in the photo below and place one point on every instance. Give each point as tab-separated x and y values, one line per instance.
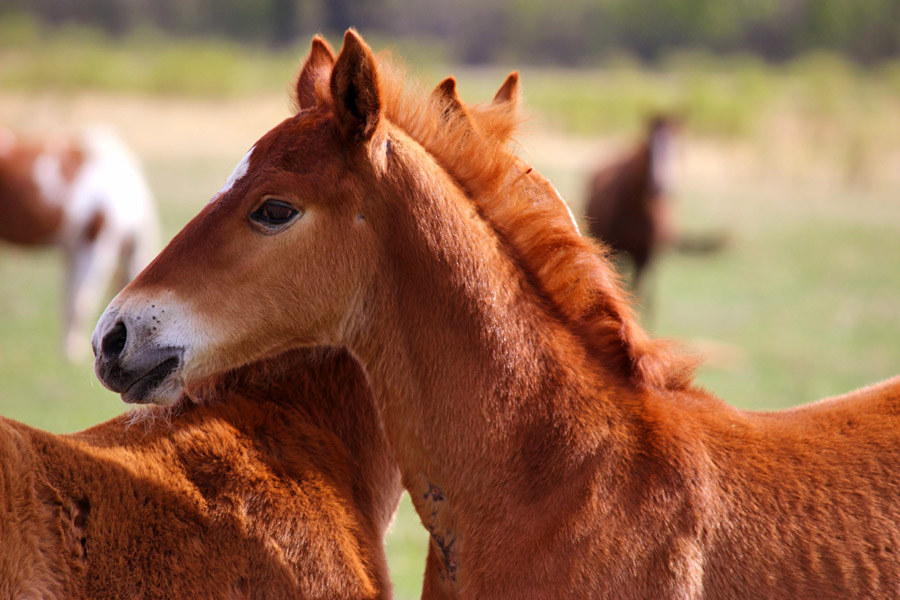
316	68
355	91
446	98
509	91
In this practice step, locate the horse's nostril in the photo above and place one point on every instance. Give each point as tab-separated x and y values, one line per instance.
114	341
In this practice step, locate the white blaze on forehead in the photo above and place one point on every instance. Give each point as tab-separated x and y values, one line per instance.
239	171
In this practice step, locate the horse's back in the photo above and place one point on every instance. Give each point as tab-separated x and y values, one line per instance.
867	416
884	394
809	499
39	557
52	191
228	508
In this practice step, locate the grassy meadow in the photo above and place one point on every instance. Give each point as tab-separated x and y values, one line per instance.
799	165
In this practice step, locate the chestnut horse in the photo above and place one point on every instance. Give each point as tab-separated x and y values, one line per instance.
550	447
86	194
280	485
627	205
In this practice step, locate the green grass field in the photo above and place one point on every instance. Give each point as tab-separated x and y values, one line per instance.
804	302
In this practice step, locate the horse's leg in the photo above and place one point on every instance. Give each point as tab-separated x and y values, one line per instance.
642	287
640	260
90	266
648	297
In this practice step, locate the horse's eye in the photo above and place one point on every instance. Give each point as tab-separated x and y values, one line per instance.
274	213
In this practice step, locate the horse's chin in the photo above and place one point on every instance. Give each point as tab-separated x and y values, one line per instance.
148	391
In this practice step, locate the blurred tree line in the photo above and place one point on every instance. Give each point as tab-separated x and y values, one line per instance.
566	32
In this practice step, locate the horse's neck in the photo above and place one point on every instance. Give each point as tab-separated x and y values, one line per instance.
469	363
321	397
339	400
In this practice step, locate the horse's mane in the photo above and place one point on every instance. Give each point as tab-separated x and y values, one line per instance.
572	272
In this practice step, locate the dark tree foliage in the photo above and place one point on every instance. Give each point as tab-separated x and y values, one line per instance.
563	32
285	22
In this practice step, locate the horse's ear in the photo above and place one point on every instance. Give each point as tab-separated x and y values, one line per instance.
445	93
354	90
509	91
317	67
445	96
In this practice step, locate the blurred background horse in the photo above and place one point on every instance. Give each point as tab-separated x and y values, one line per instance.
87	195
629	203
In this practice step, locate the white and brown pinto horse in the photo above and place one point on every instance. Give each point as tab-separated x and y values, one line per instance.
279	485
550	447
88	195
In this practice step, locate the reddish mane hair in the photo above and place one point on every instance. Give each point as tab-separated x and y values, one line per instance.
571	272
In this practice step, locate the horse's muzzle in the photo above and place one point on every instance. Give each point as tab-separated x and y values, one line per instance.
135	368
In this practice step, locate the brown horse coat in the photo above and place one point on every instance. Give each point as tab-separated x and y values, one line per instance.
279	486
550	447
